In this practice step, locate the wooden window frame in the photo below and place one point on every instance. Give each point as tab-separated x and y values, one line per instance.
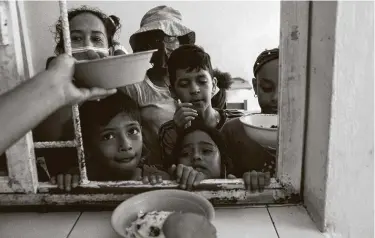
21	186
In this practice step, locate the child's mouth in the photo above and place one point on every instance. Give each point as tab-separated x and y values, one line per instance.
200	168
124	160
197	102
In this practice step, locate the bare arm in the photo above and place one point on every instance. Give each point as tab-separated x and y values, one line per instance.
24	107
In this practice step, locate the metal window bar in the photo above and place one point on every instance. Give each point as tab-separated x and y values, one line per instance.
75	110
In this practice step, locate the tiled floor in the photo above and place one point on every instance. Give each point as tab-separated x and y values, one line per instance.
260	222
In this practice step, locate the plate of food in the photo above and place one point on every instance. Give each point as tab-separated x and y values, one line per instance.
153	214
262	128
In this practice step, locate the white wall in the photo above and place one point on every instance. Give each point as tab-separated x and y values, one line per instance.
339	166
234	33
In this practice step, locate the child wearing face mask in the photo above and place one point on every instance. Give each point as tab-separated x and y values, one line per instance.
113	143
248	153
200	153
193	84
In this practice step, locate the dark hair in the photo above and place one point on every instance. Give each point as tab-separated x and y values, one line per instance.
94	114
224	81
226	162
191	57
111	23
264	57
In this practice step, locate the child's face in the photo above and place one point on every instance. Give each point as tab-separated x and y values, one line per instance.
194	87
267	90
120	143
200	152
87	30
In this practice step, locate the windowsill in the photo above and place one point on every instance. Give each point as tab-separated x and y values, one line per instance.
258	221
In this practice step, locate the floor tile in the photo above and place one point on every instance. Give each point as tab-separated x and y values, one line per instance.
94	225
37	225
244	223
294	222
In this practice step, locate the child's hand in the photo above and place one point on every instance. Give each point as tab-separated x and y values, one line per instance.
184	114
186	176
62	69
256	180
66	181
152	179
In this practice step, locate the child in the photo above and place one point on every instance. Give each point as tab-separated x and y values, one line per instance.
200	153
192	83
113	142
248	153
161	28
266	81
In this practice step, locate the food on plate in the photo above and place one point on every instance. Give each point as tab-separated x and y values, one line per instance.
149	224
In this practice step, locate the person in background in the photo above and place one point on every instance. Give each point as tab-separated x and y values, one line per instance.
162	29
23	107
248	153
224	81
92	36
193	84
266	80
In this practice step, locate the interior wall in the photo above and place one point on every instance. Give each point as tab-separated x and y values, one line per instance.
350	182
339	155
321	57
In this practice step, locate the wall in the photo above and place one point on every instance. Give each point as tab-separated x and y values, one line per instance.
322	43
339	158
234	33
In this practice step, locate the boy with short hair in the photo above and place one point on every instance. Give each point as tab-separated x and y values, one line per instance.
192	83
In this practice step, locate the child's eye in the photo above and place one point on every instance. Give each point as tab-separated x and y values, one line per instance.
76	38
183	84
108	136
207	151
202	81
97	39
133	131
184	154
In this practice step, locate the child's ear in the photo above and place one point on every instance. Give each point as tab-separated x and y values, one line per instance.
214	84
173	92
255	86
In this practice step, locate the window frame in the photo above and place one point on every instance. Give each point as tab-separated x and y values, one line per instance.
21	186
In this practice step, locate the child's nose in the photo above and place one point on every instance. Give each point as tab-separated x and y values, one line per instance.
125	145
197	157
194	89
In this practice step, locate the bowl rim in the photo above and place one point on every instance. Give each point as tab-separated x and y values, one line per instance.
114	57
205	203
257	127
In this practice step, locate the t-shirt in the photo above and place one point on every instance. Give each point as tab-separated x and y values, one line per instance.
157	107
168	134
246	154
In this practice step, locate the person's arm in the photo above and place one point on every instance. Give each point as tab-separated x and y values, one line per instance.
22	108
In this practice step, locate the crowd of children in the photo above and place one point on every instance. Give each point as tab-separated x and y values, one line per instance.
172	125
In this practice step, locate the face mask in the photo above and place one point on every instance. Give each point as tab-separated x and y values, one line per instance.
82	53
87	48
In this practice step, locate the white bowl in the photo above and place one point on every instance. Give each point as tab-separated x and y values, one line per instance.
258	127
114	71
159	200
